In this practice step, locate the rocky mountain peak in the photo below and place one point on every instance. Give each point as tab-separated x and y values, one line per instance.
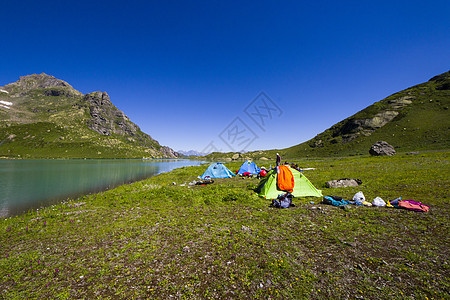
105	117
51	85
39	81
89	125
98	98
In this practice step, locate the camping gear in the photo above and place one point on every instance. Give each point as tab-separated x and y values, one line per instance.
268	187
248	166
217	170
283	201
395	202
335	201
359	196
378	202
285	180
207	180
388	204
362	203
360	199
263	173
413	205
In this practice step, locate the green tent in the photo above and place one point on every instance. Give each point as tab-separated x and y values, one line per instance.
268	187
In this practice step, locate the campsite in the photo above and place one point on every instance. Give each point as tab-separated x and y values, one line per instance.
161	238
190	150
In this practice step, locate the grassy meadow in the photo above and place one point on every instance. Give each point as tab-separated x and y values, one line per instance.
160	240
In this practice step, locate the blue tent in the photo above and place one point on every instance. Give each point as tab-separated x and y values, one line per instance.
217	170
249	166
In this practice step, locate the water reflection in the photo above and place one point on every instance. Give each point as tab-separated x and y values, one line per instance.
26	184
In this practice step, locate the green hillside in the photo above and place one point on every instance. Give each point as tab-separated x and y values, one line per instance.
44	117
414	119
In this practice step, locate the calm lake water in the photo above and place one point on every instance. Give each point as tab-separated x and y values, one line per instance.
27	184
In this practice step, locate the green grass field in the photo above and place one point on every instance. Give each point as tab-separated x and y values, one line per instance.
154	239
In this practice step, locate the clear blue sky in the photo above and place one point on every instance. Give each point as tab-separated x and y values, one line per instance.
185	71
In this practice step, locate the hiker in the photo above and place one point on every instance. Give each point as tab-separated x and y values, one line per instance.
278	159
296	167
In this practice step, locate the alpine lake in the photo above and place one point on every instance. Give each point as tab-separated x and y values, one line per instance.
30	184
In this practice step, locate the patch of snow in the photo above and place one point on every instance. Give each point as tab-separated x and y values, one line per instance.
5	106
5	102
4	91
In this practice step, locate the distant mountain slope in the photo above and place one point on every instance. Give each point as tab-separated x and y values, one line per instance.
416	118
191	153
44	117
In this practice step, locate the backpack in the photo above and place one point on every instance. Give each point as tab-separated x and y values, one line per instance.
283	201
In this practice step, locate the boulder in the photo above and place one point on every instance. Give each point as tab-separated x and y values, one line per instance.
345	182
236	156
381	148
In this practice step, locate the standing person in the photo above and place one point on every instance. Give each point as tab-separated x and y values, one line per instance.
278	159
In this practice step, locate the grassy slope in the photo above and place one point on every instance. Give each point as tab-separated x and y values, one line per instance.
152	239
44	140
422	125
57	129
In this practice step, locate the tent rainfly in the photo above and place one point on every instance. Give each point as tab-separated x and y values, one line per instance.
217	170
268	186
249	166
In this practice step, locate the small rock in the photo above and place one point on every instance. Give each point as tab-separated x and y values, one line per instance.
245	228
351	244
412	153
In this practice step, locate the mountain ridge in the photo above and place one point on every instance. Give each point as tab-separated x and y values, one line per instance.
412	119
89	122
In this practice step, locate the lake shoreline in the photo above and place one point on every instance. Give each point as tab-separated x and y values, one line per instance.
27	184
